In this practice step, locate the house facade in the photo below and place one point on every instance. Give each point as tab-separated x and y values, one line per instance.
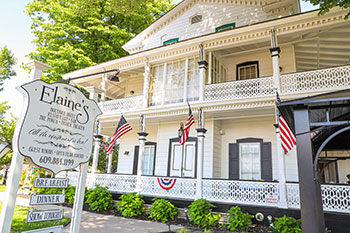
227	59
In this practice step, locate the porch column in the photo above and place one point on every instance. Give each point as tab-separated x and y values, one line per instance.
203	65
142	139
94	92
312	218
275	54
200	155
37	68
146	77
104	87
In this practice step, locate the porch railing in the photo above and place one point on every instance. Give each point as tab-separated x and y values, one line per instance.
123	104
239	89
317	80
335	198
241	192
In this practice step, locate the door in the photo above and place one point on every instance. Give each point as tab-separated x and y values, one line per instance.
183	159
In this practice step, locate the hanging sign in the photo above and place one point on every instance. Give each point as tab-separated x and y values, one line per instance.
56	229
46	199
50	183
166	183
57	129
44	215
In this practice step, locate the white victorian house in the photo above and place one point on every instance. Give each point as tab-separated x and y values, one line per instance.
251	49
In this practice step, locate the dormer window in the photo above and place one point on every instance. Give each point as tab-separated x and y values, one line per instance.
225	27
196	19
171	41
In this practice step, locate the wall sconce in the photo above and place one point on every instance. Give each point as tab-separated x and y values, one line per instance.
222	132
126	153
132	92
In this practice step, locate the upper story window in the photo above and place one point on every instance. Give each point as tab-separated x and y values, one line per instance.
174	82
171	41
225	27
196	19
248	70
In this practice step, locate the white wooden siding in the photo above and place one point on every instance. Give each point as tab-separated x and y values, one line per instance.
214	15
134	84
217	150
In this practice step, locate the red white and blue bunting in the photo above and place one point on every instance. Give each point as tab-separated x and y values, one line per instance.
166	183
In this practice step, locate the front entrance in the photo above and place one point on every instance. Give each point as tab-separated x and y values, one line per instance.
182	161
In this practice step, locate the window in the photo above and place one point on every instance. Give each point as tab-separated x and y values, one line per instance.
218	71
196	19
148	162
171	41
225	27
249	154
172	83
250	159
247	70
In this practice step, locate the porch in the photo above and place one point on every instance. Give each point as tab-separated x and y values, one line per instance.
336	198
293	84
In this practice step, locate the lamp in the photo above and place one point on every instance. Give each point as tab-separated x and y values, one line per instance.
114	77
180	131
5	147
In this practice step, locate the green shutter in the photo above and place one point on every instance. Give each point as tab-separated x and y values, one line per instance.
225	27
171	41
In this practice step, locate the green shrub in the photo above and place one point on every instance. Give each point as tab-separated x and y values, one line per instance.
183	230
238	220
163	210
131	205
201	213
287	225
70	193
100	199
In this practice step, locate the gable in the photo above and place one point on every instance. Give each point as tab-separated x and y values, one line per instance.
200	17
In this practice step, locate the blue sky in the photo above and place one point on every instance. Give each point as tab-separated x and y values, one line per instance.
16	35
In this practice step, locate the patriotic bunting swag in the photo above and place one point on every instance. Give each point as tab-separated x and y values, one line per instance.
166	183
123	128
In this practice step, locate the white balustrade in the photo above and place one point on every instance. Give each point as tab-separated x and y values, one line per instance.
123	104
335	78
184	188
336	198
239	89
241	192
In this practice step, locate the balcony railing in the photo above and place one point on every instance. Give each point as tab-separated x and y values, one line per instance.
336	198
123	104
239	89
329	79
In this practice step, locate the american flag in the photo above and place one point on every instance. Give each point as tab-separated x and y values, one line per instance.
189	122
286	134
123	128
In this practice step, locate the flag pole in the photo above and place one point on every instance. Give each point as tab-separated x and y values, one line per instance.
275	54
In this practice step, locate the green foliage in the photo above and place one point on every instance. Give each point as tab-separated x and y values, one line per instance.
207	231
103	157
238	220
183	230
100	199
287	225
73	34
201	213
70	193
7	61
131	205
163	210
326	5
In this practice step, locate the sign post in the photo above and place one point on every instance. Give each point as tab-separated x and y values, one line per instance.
55	132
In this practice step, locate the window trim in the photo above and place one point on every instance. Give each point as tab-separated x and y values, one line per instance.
171	41
225	27
135	164
240	157
248	63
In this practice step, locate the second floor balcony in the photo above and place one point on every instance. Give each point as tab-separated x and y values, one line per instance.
293	84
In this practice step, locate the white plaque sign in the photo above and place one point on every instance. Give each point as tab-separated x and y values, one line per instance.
44	215
50	183
56	229
46	199
57	129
